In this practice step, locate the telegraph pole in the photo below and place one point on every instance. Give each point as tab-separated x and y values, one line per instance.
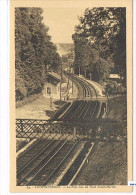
50	102
72	80
72	85
60	81
79	70
68	82
85	71
90	76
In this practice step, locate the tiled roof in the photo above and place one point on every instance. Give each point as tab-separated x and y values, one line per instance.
55	75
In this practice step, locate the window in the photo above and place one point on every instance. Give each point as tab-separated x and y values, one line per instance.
48	90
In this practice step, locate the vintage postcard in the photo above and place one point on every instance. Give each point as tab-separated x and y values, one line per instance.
71	96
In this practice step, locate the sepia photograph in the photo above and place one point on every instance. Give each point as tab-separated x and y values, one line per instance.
70	90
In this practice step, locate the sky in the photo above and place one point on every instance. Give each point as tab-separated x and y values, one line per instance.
61	22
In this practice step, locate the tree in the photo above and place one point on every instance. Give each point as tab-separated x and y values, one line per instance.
33	50
67	60
83	54
113	87
103	30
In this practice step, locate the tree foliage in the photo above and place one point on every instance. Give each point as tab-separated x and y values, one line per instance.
67	60
33	51
113	87
100	41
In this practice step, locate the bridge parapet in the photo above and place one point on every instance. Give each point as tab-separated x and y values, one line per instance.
35	129
32	128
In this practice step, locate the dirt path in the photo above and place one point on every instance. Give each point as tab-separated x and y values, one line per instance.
41	108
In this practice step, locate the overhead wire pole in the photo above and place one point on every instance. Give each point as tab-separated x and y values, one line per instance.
85	71
90	76
79	70
60	81
72	80
68	83
72	85
72	65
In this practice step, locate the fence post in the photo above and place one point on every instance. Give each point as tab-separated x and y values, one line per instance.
21	125
106	110
43	131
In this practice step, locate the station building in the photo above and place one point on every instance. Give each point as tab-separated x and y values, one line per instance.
52	86
114	77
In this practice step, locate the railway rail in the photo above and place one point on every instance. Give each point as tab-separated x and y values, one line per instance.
46	165
85	89
84	108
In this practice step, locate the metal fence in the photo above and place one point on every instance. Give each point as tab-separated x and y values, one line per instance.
30	128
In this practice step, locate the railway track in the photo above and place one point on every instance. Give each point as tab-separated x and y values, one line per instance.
44	168
37	156
25	157
81	110
84	88
84	108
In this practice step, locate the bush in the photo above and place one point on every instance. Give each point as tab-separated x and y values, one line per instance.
21	90
113	87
